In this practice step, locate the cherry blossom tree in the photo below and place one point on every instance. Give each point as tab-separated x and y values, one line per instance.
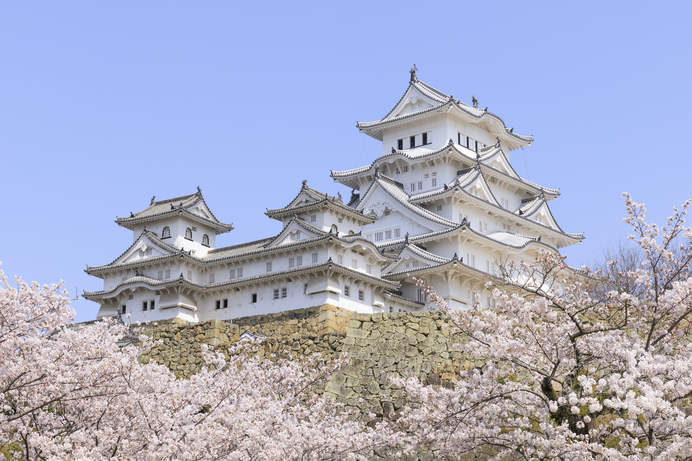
71	392
571	371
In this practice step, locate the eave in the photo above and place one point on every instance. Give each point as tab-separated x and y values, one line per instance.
130	223
281	213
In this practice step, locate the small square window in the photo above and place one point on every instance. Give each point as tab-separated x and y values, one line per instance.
354	264
413	187
439	207
218	304
400	144
123	309
405	169
160	277
225	303
254	298
314	257
305	289
240	272
145	305
361	295
347	291
368	269
232	274
152	305
211	278
412	142
284	292
299	260
425	138
313	218
420	185
378	236
291	262
276	293
388	234
434	182
397	233
168	274
269	266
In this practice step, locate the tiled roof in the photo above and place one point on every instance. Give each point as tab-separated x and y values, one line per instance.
396	191
336	204
162	208
420	152
415	249
442	101
153	238
402	300
154	283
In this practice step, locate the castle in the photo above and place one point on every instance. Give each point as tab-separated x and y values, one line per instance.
441	203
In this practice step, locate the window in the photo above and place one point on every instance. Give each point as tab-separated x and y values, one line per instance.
166	233
160	277
420	185
413	187
189	275
505	203
339	259
471	259
148	252
378	236
334	229
314	257
354	264
211	277
276	293
168	274
414	263
305	289
284	291
152	304
205	240
439	207
405	169
123	309
368	269
434	182
425	138
299	260
269	266
459	138
400	144
476	145
421	296
388	234
361	295
412	142
225	303
239	273
144	305
232	274
291	262
387	212
347	291
254	298
188	233
313	217
218	304
468	140
397	233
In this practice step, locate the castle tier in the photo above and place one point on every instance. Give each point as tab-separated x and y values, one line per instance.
441	203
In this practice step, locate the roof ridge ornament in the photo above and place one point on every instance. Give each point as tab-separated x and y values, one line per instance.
406	239
498	140
413	71
199	190
393	150
377	172
305	182
474	101
153	199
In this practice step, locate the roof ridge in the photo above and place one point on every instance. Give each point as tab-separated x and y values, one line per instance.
176	199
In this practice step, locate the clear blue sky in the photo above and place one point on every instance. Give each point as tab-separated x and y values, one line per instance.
105	104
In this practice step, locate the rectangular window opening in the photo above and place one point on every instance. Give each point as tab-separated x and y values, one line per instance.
254	298
412	142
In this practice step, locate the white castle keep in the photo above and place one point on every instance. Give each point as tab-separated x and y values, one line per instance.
441	203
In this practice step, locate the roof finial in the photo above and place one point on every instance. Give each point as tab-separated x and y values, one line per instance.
498	141
455	256
406	239
474	101
305	182
199	191
153	199
413	73
377	172
393	150
338	196
132	215
172	207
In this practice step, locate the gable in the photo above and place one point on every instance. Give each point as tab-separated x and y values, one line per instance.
413	101
294	232
378	202
479	188
543	216
410	259
201	210
142	249
499	162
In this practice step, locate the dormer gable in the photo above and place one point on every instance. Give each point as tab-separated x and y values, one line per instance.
295	231
413	257
474	183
